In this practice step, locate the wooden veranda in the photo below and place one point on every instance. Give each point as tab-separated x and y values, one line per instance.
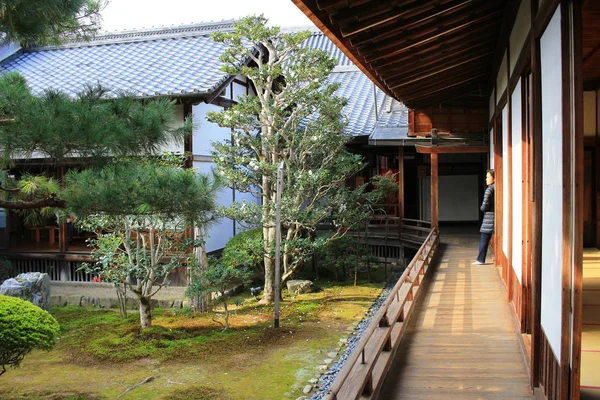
459	342
444	332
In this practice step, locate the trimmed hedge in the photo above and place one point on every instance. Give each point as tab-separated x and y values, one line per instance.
23	327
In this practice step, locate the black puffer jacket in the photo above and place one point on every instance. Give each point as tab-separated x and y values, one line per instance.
487	207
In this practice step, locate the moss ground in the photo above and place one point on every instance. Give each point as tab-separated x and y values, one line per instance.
100	355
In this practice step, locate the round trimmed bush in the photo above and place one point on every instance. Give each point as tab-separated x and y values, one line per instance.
23	327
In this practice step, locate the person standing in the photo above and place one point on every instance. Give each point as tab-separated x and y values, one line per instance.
487	226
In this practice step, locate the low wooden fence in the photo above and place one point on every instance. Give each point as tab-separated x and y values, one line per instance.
364	371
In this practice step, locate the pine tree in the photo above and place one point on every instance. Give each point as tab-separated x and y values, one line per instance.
47	22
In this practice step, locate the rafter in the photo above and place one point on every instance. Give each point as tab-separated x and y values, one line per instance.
404	70
445	96
457	49
441	34
401	32
394	27
424	13
435	71
442	81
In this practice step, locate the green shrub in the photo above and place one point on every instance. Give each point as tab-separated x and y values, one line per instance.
23	327
244	249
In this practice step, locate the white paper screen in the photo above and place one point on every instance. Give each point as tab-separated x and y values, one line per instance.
552	229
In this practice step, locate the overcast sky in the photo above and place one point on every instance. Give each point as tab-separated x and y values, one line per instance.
134	14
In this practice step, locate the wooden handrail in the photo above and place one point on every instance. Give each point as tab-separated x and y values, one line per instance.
383	333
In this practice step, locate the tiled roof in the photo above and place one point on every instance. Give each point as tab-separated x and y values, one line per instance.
166	61
319	41
360	92
184	60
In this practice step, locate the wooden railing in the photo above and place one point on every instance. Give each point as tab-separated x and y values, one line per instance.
364	371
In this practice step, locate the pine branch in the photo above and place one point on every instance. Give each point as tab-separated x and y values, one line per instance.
32	204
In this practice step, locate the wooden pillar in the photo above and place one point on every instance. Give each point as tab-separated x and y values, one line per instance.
400	186
63	246
508	208
536	216
499	229
526	216
579	194
567	202
434	191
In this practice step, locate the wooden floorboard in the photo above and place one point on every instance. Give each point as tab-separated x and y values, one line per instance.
459	343
590	332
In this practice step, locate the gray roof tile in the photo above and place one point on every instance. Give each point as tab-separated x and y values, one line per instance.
183	60
164	61
361	93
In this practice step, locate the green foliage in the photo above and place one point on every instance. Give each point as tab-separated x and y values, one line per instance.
295	118
44	22
57	127
343	256
23	327
142	210
217	278
244	249
142	187
89	125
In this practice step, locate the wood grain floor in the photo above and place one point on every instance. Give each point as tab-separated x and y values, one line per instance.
460	343
590	335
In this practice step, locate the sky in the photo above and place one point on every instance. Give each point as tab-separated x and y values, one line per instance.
135	14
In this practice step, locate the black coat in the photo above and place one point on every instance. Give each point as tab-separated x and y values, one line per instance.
487	207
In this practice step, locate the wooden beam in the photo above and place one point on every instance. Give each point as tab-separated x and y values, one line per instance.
440	35
343	46
441	81
434	56
461	83
439	70
424	13
396	35
458	149
434	191
383	16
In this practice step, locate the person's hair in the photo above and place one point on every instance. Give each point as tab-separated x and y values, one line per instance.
491	172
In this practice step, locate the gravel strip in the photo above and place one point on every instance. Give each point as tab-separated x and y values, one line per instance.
329	376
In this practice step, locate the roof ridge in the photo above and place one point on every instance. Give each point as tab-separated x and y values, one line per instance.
146	34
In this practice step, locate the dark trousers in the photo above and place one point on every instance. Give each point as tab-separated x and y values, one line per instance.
483	246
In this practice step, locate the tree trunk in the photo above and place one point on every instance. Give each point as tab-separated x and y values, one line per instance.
145	312
121	296
268	292
226	315
201	302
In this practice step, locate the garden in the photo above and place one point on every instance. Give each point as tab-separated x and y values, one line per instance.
186	355
151	214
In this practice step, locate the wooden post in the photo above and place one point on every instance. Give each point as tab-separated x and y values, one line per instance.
536	216
579	190
400	187
63	245
508	208
434	191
